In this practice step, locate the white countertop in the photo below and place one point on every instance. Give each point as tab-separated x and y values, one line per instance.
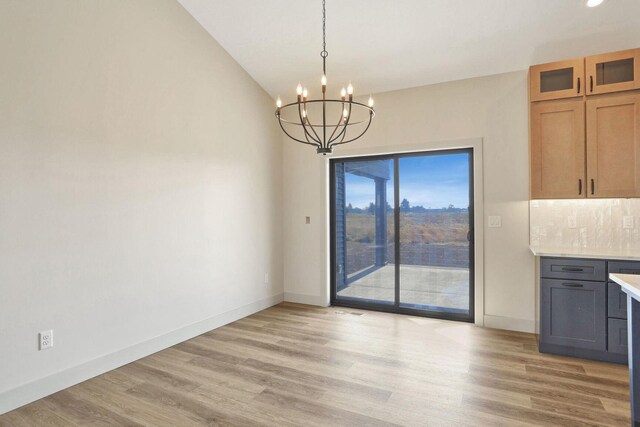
630	283
599	253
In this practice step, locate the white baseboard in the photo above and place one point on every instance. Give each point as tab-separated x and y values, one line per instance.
305	299
509	323
26	393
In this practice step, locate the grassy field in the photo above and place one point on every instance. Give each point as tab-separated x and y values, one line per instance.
438	228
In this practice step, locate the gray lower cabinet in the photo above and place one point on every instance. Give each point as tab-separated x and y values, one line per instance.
617	336
617	304
582	314
574	313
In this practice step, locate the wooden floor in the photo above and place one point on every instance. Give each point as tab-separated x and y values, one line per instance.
301	365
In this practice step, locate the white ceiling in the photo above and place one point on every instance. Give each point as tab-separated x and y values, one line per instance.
383	45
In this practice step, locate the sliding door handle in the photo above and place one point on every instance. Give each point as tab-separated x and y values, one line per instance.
593	186
580	186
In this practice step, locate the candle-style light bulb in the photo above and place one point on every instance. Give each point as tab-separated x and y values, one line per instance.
305	93
343	93
323	80
345	113
370	101
350	89
299	89
278	102
304	113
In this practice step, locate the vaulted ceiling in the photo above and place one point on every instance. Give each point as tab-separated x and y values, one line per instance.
383	45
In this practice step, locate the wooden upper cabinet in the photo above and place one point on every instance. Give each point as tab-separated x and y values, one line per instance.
556	80
558	150
613	72
613	146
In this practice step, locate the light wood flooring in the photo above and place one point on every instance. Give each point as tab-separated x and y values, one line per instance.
308	366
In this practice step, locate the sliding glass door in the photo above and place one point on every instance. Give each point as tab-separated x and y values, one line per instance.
401	233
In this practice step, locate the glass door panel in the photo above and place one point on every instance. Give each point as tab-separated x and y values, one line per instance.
364	231
435	249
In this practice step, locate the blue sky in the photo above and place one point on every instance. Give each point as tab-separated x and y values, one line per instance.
431	181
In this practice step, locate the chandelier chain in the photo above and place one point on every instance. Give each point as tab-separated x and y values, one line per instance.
324	52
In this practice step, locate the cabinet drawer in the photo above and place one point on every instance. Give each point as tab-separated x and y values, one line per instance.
617	301
617	336
624	267
573	313
574	269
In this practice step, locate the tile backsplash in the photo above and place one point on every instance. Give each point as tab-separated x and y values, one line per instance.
598	223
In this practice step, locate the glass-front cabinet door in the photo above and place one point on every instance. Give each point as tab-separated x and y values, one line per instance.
613	72
557	80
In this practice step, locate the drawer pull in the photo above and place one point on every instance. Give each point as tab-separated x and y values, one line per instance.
573	285
572	269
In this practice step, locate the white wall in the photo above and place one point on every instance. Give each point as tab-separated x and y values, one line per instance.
140	188
493	108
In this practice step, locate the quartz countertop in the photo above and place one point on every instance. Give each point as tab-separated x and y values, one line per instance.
630	283
595	253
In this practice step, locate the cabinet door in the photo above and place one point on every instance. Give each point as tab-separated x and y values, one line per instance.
573	313
617	301
617	336
613	72
557	150
555	80
613	145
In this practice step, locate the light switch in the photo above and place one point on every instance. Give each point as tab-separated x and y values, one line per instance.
495	221
627	221
307	220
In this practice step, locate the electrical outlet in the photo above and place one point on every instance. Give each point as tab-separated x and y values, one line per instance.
495	221
46	339
627	221
266	278
572	221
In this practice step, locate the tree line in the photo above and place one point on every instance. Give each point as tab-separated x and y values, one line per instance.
405	206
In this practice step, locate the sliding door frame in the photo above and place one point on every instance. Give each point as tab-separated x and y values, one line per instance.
396	307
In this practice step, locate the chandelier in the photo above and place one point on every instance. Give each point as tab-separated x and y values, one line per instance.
324	123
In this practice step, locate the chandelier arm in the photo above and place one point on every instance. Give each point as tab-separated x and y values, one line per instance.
344	129
338	124
341	134
359	136
295	139
306	132
307	135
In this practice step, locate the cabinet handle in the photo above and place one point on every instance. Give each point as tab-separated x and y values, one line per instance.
578	84
580	186
572	269
591	83
593	186
573	285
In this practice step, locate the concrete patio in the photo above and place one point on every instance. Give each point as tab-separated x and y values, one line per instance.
445	287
